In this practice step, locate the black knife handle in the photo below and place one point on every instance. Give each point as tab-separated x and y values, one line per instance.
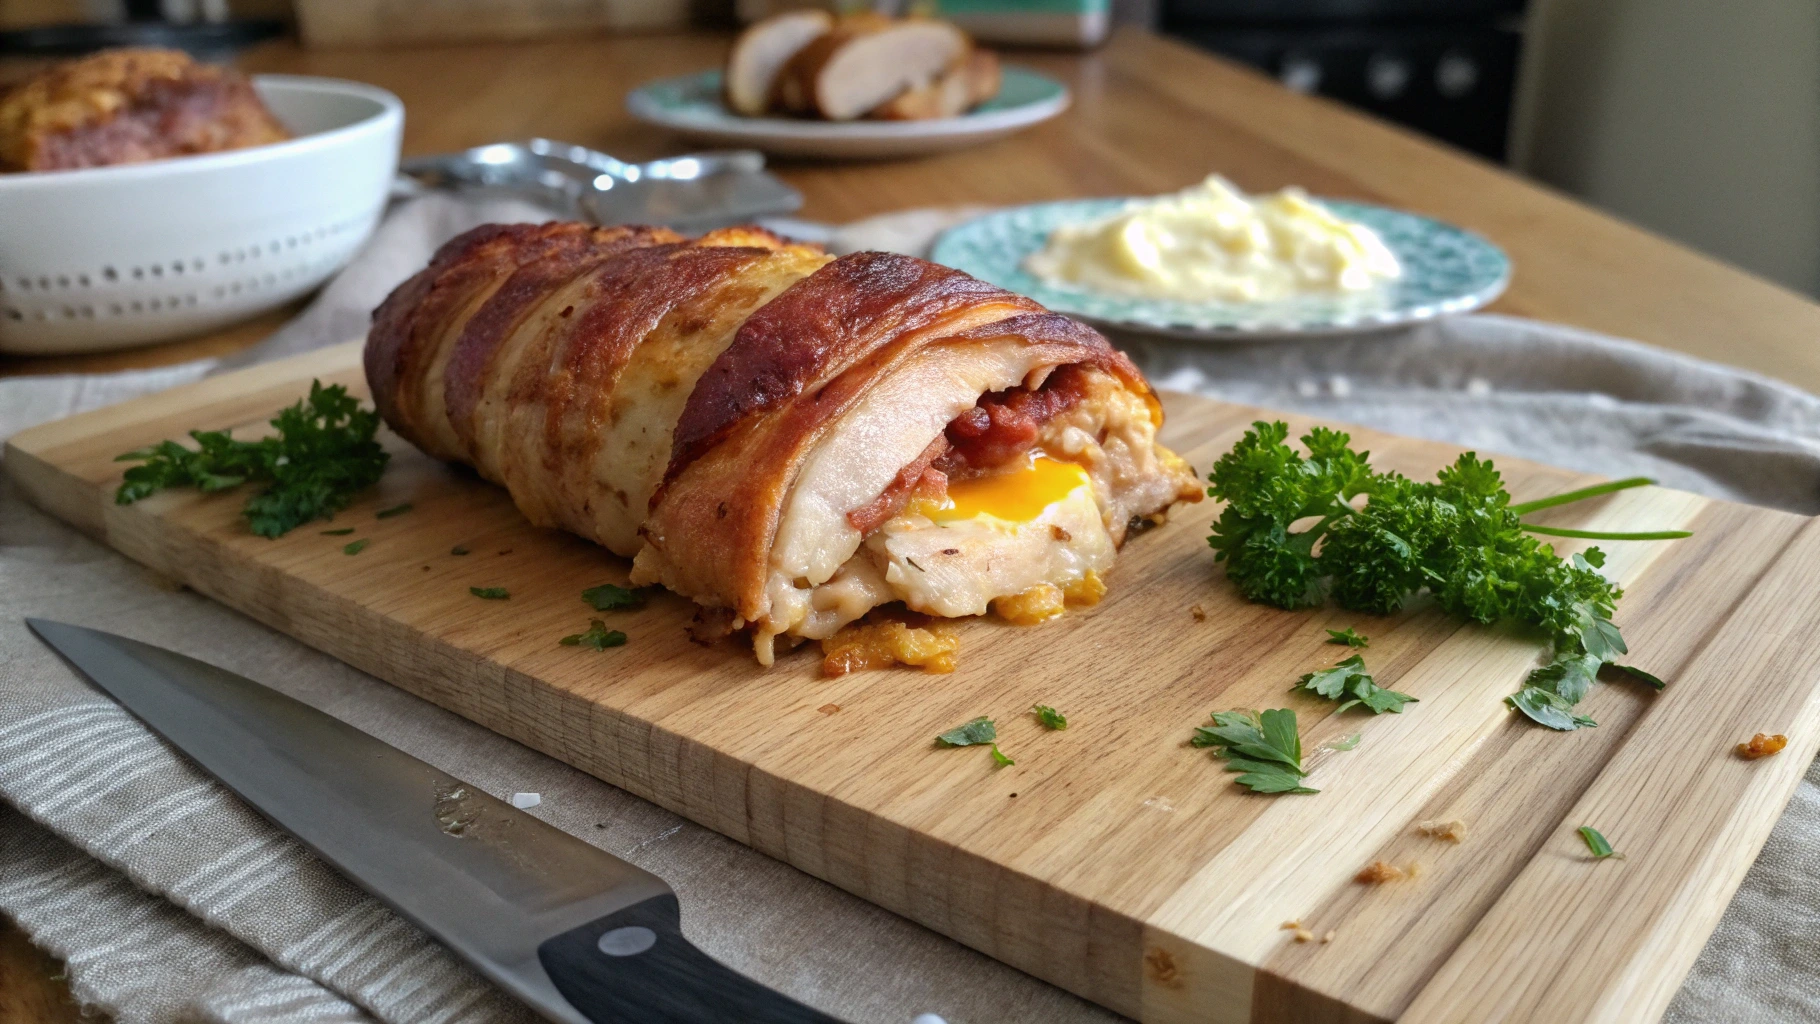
635	967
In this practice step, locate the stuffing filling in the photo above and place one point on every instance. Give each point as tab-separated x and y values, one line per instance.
1017	506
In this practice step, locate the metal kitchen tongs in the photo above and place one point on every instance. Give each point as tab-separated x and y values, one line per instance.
693	192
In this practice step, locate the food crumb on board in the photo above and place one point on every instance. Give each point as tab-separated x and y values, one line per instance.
1325	939
1413	869
1378	872
1454	831
886	642
526	801
1302	934
1762	746
828	709
1199	613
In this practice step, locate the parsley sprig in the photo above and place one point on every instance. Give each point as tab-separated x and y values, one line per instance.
1350	684
1263	746
322	454
1458	538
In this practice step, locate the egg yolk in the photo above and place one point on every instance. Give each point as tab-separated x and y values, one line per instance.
1017	495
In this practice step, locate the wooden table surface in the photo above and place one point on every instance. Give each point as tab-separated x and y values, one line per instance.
1149	116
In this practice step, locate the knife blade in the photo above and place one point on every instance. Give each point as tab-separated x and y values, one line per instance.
575	932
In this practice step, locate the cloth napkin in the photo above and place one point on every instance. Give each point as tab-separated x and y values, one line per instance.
171	901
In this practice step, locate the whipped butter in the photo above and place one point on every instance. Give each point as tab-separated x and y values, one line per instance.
1213	242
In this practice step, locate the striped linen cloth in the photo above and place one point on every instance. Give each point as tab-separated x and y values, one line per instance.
171	901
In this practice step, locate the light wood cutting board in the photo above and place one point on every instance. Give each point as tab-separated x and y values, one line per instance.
1112	859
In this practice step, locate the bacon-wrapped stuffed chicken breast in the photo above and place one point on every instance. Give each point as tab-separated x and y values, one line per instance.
791	437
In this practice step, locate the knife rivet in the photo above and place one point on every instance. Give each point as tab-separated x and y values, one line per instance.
628	941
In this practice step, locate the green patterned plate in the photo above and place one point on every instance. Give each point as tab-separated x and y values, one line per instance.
691	106
1445	270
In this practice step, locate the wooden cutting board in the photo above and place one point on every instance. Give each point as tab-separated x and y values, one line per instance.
1113	859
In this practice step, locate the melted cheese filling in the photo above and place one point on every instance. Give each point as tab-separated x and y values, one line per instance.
1020	495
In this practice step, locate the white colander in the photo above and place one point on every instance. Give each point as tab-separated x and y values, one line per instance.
108	257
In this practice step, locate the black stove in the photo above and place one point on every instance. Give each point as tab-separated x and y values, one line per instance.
1444	67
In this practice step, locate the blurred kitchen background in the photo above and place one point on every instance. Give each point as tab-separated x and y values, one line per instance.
1697	119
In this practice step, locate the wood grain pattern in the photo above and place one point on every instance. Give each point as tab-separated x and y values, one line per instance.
1113	859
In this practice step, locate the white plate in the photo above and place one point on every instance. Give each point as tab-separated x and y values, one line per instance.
1445	270
691	105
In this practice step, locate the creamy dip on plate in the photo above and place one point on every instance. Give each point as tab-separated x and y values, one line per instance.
1214	243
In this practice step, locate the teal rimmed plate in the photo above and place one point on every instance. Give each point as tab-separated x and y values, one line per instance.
1445	270
691	105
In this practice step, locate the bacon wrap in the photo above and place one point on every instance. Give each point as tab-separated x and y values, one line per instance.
662	396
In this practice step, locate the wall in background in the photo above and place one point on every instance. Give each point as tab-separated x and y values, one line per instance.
1699	119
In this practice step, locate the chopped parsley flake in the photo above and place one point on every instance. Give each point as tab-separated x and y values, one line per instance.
1347	638
980	730
490	593
1050	717
610	598
458	550
598	637
1598	844
1350	684
355	547
343	532
395	510
999	758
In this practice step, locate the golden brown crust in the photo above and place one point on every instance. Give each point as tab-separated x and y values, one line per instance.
129	106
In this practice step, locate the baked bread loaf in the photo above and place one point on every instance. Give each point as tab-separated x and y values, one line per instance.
773	431
129	106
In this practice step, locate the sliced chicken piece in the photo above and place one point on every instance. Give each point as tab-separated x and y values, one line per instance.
762	52
960	89
866	61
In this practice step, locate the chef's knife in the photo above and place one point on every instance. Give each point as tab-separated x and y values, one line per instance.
576	933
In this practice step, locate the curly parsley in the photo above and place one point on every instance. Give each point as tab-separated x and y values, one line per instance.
1459	539
1050	717
323	452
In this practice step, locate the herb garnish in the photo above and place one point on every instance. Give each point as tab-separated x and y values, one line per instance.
1600	847
1458	538
490	593
598	637
1349	683
343	532
355	547
323	452
609	598
1347	637
395	510
458	550
1050	717
980	730
999	758
1264	746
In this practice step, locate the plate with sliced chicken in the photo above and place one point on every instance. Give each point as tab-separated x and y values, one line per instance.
805	83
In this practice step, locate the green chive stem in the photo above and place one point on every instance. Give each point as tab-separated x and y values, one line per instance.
1582	494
